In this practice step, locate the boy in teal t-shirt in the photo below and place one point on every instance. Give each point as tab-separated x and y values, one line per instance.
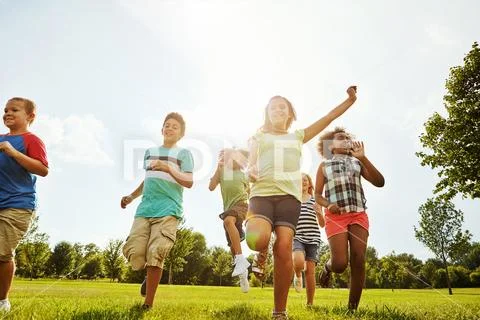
153	233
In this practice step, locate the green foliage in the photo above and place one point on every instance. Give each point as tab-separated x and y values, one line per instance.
453	140
113	260
62	259
222	265
176	258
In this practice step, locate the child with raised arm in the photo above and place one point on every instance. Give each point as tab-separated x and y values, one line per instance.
275	195
339	190
168	170
22	156
234	187
306	242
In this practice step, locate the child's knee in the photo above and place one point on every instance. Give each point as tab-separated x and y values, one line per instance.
135	254
256	240
339	265
229	221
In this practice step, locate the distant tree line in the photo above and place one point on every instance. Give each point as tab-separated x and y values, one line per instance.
191	262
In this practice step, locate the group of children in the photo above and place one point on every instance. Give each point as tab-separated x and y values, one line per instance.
262	187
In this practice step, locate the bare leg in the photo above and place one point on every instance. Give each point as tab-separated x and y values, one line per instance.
358	237
283	266
7	270
258	235
298	262
310	281
229	225
338	253
154	274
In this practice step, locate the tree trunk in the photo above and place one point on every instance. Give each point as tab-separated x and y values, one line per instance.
220	280
170	275
448	277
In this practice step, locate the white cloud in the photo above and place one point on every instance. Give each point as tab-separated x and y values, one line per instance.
77	139
440	35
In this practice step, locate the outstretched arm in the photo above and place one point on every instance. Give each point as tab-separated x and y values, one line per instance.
369	172
336	112
215	179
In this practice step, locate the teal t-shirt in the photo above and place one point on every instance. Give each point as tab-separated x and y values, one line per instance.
162	195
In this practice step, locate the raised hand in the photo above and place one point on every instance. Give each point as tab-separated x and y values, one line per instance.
126	200
358	150
352	92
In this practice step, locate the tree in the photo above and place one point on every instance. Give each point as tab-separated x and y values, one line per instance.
197	263
62	259
33	252
78	260
182	248
453	140
113	260
222	265
93	267
440	231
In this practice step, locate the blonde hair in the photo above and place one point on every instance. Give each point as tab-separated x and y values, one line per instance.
28	105
267	125
310	182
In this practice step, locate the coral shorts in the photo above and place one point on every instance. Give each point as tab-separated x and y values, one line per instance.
338	223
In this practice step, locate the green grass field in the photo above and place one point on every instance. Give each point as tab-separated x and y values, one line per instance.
48	299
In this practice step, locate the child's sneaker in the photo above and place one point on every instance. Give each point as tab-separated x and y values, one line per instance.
241	265
244	282
297	282
325	277
4	306
143	288
258	265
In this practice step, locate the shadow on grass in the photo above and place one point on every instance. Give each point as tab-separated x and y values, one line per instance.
241	312
381	313
135	312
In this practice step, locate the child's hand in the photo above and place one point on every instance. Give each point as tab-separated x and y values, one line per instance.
352	92
159	165
126	200
358	150
333	208
7	148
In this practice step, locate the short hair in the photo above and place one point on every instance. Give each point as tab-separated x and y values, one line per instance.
179	118
310	188
267	125
28	104
325	141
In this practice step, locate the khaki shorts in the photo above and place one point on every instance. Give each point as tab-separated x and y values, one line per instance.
14	224
239	211
150	241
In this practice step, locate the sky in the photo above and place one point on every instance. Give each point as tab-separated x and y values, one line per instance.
104	74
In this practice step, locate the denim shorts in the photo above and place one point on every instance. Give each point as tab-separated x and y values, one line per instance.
310	250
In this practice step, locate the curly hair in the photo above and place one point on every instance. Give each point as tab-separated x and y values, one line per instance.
326	139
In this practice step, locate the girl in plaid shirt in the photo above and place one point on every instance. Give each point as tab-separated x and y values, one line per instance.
346	222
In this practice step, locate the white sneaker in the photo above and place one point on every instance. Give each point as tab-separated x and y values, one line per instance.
297	282
244	282
241	265
4	306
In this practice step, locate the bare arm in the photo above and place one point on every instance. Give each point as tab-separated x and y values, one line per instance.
321	200
215	179
369	172
185	179
30	164
336	112
126	200
320	218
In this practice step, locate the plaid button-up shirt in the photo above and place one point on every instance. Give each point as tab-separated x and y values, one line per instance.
343	183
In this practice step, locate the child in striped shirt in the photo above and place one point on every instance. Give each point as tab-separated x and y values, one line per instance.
306	242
